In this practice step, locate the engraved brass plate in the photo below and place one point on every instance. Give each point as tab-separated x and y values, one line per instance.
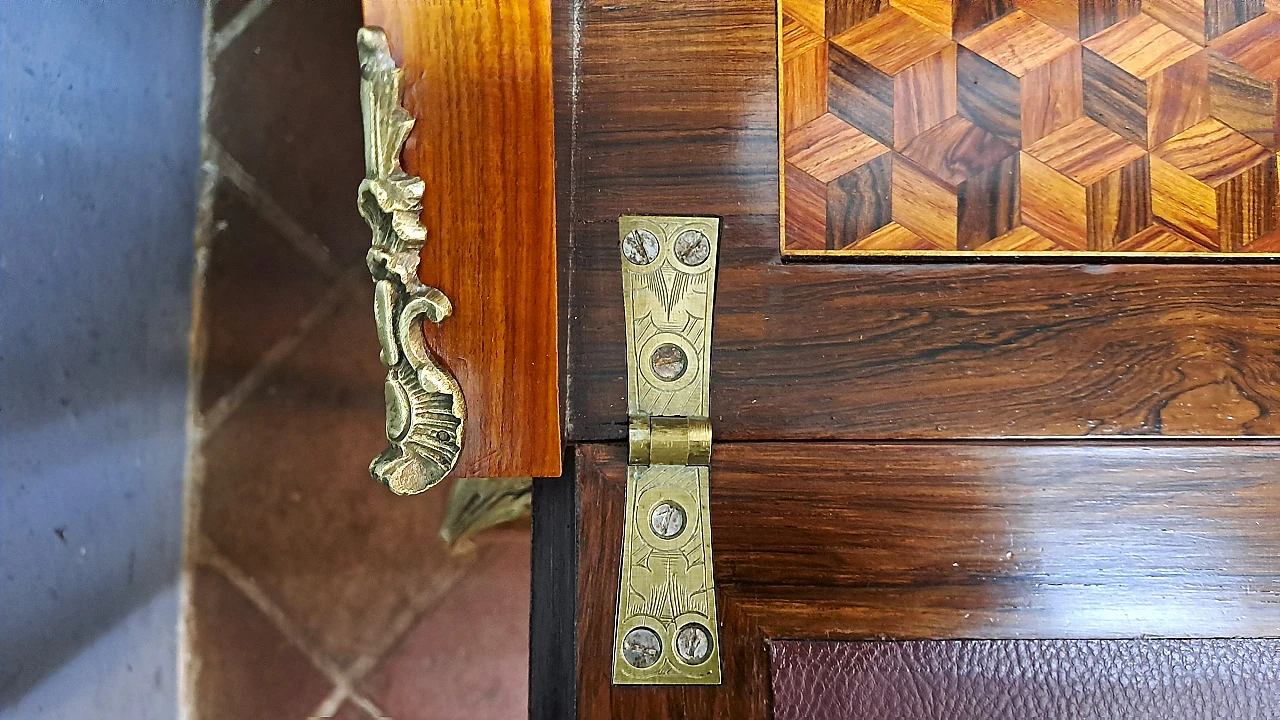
667	629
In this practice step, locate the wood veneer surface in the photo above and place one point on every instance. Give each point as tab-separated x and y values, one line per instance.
478	81
914	129
686	123
907	539
946	541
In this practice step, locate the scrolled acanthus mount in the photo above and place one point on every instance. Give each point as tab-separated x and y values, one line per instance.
426	414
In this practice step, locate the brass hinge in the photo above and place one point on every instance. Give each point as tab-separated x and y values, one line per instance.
666	632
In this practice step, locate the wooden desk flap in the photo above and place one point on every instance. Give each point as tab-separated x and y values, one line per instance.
478	81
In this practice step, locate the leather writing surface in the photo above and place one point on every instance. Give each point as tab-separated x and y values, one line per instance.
1025	679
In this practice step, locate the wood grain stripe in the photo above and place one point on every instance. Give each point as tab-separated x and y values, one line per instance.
989	97
972	15
1178	98
1053	204
923	204
924	95
989	204
478	81
1247	205
860	95
1114	98
844	14
1118	206
806	224
1245	102
858	203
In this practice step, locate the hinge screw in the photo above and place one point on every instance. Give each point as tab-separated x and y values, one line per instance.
693	644
668	362
692	247
640	246
641	648
666	520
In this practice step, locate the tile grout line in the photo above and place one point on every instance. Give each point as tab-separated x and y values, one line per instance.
463	561
367	705
234	27
303	240
343	686
188	666
460	564
330	704
333	299
211	556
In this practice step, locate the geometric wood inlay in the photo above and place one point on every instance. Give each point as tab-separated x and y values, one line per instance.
1018	128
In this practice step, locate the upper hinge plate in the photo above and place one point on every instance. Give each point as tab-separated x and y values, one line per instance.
667	629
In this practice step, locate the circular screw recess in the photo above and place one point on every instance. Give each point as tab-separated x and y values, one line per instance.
640	246
692	247
641	648
666	519
693	644
668	362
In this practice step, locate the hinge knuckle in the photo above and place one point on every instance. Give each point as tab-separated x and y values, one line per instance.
657	440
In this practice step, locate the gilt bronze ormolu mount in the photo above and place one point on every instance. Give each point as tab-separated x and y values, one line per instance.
426	414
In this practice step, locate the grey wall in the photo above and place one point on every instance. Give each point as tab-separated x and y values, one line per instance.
99	132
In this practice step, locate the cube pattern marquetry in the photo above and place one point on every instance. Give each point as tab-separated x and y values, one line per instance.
1029	127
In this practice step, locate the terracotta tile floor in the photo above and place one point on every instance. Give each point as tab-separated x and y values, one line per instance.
313	591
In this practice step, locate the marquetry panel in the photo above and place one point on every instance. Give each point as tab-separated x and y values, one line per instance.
1106	128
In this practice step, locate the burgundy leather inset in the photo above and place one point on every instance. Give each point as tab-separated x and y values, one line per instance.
1027	680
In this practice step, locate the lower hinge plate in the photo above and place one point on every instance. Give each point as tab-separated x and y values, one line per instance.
666	631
